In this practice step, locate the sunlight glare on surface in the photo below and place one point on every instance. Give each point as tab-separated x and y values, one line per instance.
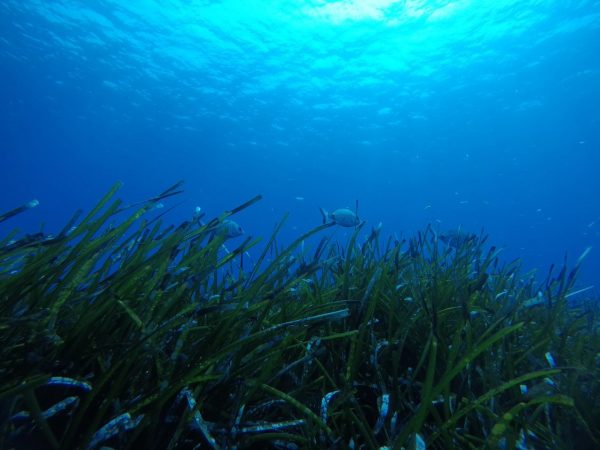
389	11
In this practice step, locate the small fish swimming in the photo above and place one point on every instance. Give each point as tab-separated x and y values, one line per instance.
228	229
344	217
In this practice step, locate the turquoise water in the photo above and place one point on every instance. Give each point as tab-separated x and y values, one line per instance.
472	114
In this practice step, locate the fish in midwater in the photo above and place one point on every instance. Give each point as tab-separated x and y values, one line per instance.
344	217
228	229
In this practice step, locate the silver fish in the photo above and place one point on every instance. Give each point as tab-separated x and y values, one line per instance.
229	229
344	217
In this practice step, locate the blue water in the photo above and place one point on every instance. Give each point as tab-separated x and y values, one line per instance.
483	114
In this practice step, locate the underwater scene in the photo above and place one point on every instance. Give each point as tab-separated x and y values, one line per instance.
299	224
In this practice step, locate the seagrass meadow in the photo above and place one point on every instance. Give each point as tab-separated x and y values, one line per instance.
121	332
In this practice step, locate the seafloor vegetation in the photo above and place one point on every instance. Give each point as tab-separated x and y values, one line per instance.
120	332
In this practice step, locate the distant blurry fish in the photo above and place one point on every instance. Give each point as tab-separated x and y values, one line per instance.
344	217
457	238
299	198
228	229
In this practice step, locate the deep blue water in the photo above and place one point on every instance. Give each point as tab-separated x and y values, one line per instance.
471	113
